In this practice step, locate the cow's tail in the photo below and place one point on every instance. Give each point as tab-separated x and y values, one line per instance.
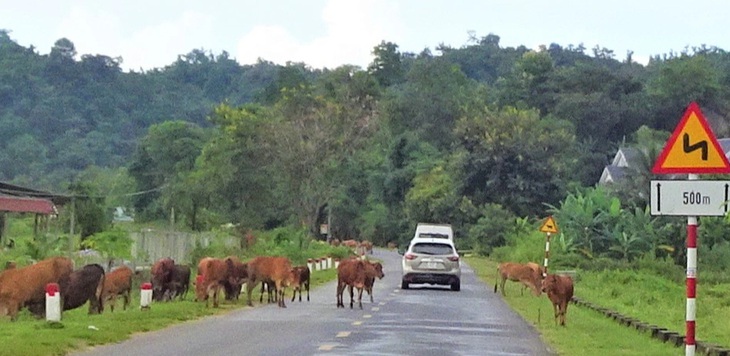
496	280
99	294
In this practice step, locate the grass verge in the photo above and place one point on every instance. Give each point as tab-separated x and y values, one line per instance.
587	332
32	337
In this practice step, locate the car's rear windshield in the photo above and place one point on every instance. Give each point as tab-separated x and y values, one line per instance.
433	235
428	248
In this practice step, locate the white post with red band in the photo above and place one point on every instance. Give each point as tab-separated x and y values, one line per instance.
53	302
145	295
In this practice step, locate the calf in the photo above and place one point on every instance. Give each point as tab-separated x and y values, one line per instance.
350	274
117	283
372	271
303	278
518	272
560	291
26	285
276	269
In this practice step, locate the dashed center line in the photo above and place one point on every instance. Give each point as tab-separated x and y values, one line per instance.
356	323
376	308
367	316
343	334
327	347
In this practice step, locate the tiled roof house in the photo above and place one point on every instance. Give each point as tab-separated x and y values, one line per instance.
625	156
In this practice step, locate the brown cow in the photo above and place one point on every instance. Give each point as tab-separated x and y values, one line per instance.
350	274
117	283
350	243
373	270
303	279
559	289
518	272
212	273
10	265
538	270
269	288
162	271
367	247
26	285
335	242
276	269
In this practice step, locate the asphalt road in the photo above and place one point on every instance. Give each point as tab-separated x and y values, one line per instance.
421	321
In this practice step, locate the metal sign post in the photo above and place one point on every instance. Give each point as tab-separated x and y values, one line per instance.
692	149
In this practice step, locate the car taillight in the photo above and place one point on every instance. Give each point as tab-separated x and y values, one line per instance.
454	258
410	256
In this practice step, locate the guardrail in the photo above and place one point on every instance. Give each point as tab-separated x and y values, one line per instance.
655	331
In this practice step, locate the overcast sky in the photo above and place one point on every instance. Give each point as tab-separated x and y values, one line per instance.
329	33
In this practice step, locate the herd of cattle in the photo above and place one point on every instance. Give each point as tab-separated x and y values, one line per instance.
559	288
25	287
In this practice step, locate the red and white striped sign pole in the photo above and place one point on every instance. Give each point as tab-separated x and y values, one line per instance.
547	255
693	149
689	339
548	227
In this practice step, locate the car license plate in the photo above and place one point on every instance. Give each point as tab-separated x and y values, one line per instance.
433	265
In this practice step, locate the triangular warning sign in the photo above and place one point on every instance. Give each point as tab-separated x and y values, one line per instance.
692	148
549	226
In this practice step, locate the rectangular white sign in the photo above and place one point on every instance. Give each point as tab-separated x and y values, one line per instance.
689	197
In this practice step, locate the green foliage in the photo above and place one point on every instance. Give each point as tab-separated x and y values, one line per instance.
491	229
88	209
113	243
513	158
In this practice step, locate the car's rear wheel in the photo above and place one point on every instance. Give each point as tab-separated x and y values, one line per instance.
404	285
456	286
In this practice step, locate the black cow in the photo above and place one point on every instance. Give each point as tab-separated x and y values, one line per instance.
85	284
82	285
179	282
239	273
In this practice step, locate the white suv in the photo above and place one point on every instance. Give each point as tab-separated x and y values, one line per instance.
431	261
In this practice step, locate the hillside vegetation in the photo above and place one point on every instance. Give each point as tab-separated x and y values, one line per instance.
491	139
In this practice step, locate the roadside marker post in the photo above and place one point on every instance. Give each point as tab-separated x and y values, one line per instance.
145	296
692	149
548	227
53	302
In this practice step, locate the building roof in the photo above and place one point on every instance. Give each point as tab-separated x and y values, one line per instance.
18	191
26	205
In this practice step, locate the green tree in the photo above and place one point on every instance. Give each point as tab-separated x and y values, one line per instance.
168	150
514	159
387	67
